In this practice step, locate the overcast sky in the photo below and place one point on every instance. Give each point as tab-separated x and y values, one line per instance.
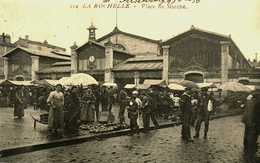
62	25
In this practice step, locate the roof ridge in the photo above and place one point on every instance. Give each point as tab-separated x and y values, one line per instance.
117	30
200	30
38	42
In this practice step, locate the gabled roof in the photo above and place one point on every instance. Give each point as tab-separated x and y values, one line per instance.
33	52
102	46
216	36
117	31
192	30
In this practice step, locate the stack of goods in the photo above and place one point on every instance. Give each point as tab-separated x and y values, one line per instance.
101	128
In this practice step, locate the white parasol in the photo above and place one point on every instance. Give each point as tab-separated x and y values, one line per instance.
78	79
176	87
129	86
234	87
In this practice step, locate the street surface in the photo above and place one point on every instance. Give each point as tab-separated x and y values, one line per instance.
17	132
224	145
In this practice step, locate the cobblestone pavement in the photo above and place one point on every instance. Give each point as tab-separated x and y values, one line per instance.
224	145
16	132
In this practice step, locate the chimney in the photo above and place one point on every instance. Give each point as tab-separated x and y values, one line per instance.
8	38
27	37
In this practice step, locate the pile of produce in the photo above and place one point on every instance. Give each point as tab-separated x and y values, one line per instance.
101	128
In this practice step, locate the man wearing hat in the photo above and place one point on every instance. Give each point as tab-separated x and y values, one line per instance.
132	108
122	102
203	112
252	126
186	107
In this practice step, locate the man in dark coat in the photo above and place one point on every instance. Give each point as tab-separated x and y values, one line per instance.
203	113
73	110
146	111
132	108
96	91
123	98
186	107
153	107
104	98
252	126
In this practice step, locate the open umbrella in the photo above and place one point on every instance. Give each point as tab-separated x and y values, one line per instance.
176	87
234	87
154	82
78	79
188	84
142	86
129	86
206	85
41	83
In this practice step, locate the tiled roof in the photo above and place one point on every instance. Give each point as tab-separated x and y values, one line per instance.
141	63
61	53
56	69
61	63
139	66
149	62
40	43
38	53
145	58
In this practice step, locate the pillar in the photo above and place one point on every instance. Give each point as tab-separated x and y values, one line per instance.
224	60
5	67
109	63
74	59
165	73
137	78
35	67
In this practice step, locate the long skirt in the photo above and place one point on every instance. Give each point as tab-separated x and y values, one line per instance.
87	113
19	110
56	118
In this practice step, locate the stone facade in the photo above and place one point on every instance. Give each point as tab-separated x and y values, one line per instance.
133	44
5	46
19	66
97	60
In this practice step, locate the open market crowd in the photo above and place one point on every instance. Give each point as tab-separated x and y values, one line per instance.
69	108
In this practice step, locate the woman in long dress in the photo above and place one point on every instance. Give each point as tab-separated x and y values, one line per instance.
56	115
88	106
19	103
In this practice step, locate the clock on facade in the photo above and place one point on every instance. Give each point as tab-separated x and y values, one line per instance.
91	59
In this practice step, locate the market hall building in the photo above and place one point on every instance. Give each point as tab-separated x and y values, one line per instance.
118	57
124	58
196	55
28	57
